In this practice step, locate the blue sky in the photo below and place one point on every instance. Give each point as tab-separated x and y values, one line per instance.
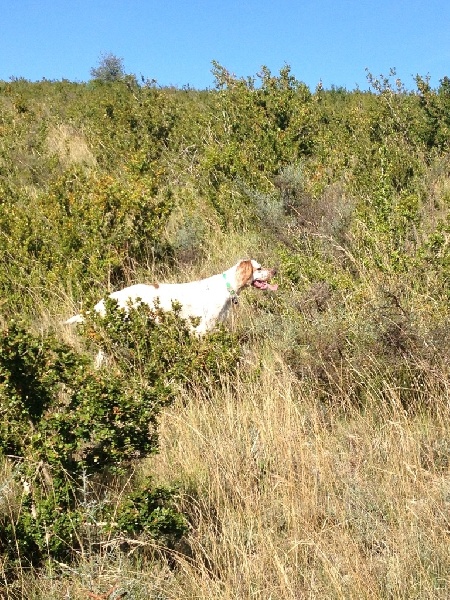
174	41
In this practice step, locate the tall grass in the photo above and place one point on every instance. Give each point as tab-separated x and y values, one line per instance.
290	499
288	496
295	486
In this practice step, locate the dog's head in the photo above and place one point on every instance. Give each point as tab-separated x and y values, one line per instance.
250	272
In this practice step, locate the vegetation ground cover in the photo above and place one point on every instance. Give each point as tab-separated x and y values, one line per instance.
301	452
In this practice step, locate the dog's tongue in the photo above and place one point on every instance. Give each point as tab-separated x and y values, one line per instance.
272	286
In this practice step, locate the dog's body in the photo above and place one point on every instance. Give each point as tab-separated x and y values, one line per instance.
208	299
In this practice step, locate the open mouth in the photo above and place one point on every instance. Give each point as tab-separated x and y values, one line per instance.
264	285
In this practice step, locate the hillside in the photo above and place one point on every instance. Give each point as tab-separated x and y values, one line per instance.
308	442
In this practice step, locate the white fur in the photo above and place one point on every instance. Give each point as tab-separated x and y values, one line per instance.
208	298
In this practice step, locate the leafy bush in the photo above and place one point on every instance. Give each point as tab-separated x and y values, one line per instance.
69	428
159	347
83	230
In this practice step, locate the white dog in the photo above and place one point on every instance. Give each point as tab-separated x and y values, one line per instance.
209	299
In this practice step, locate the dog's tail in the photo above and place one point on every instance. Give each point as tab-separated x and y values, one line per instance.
74	319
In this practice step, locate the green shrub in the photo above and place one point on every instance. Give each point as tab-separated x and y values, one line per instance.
159	347
69	428
82	231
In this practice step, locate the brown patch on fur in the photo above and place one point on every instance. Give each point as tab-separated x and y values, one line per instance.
155	285
244	273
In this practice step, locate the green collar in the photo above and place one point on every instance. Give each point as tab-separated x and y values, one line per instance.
234	296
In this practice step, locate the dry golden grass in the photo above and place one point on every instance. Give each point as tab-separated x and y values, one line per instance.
288	496
70	146
289	499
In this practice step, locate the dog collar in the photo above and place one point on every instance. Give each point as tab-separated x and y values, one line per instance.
234	296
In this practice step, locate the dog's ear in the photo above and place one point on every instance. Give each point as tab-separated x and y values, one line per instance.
244	273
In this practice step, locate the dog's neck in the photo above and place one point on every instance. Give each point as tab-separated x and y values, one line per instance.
231	291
